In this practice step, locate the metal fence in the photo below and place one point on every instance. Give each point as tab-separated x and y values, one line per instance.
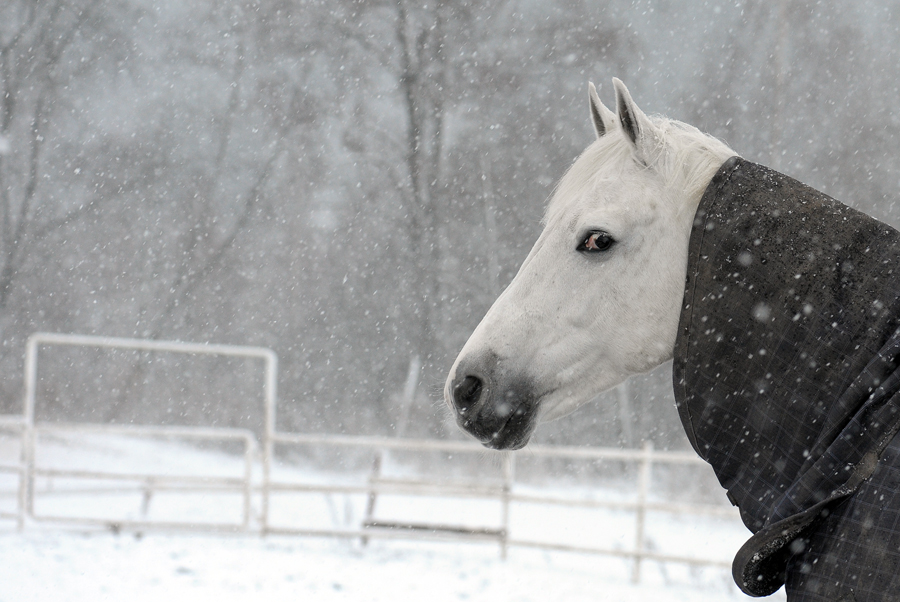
18	427
149	484
504	491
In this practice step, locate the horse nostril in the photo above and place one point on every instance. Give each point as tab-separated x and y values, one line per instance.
467	393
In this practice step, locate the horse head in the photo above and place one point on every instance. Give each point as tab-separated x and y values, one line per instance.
598	297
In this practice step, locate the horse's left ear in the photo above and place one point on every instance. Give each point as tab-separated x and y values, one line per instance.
603	119
637	126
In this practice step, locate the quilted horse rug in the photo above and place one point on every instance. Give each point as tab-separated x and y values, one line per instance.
787	382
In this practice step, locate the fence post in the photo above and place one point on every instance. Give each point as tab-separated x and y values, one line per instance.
406	403
644	474
28	435
509	472
249	453
269	434
22	478
372	496
147	496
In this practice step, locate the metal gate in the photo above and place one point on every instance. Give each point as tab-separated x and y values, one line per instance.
147	484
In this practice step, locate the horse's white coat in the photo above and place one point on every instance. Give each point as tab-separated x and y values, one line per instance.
577	324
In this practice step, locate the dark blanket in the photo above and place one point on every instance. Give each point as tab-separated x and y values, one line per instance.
787	382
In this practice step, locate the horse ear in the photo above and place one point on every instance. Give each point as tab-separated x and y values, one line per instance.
603	118
635	124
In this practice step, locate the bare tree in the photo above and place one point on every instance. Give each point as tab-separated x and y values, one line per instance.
34	40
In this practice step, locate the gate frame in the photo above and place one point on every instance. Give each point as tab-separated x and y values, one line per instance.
30	427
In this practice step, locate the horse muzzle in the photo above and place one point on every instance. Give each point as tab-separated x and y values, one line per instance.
498	410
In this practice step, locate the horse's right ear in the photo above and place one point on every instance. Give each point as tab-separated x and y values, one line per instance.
637	127
604	119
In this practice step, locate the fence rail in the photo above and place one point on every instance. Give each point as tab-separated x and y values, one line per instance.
18	426
505	490
148	483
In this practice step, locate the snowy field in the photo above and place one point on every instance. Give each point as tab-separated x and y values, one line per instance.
55	565
54	561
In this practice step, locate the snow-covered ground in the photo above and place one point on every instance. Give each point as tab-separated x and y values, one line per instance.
55	565
53	562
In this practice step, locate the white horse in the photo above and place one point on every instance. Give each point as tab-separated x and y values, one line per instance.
781	308
598	297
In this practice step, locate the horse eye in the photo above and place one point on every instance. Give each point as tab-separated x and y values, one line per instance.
596	242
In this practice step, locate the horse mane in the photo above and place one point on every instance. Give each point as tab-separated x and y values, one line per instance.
684	157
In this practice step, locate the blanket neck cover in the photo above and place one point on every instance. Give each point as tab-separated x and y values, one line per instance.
786	359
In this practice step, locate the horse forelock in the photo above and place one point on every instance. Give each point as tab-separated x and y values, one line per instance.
684	159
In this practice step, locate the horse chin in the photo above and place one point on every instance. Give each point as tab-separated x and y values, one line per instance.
514	435
502	429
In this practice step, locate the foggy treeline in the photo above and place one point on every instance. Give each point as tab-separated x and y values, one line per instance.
352	183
